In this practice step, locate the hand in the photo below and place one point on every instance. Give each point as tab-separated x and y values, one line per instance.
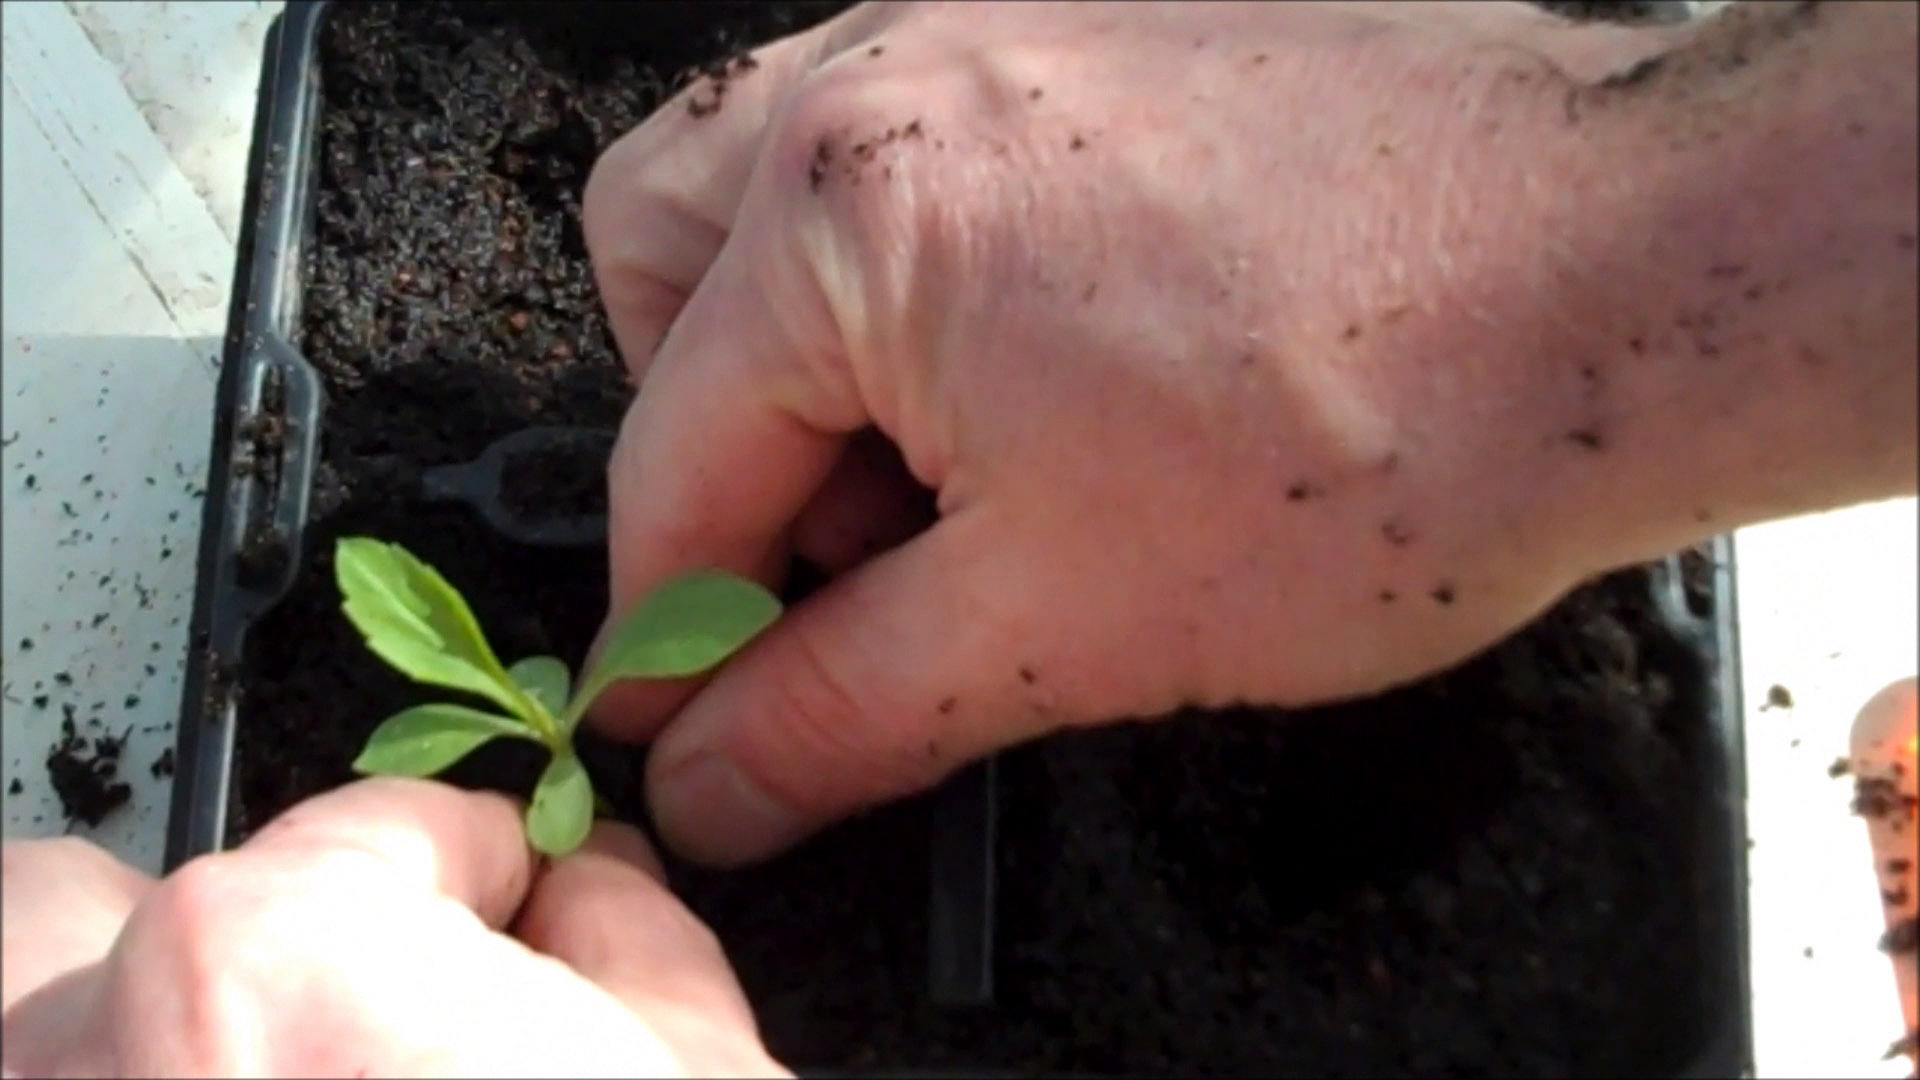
388	928
1253	352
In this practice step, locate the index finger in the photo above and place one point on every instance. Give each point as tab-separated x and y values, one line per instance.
661	201
421	835
727	440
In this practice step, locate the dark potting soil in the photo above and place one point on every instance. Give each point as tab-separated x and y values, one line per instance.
565	478
1485	873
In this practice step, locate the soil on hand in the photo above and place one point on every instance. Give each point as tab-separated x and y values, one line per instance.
1491	872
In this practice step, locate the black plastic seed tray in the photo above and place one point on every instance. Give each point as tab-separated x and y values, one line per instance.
256	510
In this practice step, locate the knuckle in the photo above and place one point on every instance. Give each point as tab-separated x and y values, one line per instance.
203	909
199	934
858	159
238	905
609	187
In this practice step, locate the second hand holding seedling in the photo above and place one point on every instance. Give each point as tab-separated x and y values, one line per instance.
420	625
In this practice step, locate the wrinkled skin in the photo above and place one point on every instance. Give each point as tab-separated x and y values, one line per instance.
1227	381
389	928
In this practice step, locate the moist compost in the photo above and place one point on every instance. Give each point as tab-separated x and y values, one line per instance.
564	479
1492	872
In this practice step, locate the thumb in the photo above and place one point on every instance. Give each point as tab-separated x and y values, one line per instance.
887	680
606	912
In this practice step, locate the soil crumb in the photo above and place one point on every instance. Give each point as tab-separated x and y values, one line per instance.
1908	1044
1901	938
85	774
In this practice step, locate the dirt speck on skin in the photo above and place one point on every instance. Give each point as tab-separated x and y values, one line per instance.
822	161
1908	1044
1902	938
1586	439
1879	797
717	77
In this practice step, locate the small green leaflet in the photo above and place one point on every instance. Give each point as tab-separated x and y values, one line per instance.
561	813
545	679
687	625
415	621
425	739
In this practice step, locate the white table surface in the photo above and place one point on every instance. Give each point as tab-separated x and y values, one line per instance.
125	141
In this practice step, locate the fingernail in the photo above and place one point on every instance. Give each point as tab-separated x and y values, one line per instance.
713	813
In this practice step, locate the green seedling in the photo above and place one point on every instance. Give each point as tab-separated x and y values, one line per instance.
420	625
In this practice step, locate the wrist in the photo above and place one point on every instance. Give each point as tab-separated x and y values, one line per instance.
1746	293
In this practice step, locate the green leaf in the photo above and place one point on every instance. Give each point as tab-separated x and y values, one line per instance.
425	739
545	679
561	812
687	625
415	621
